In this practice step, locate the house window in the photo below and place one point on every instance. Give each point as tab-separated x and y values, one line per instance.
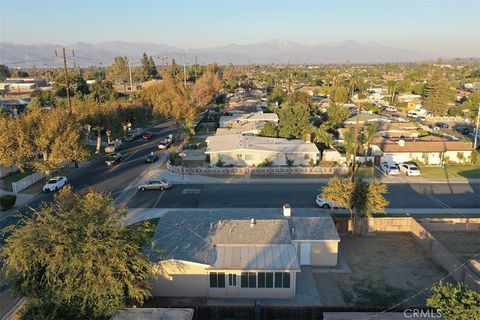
239	155
265	279
282	280
217	279
232	280
248	280
306	156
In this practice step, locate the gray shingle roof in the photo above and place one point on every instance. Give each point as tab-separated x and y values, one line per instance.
191	235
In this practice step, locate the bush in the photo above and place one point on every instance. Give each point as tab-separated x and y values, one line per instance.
174	159
7	201
265	163
220	163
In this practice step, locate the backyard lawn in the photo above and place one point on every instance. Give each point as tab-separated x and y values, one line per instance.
463	244
469	172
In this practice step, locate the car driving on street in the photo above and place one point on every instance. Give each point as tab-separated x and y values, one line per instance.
147	135
113	146
54	184
151	158
161	184
113	159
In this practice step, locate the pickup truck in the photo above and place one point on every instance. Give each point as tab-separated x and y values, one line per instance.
113	146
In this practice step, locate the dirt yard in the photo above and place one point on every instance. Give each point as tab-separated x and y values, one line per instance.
463	244
386	269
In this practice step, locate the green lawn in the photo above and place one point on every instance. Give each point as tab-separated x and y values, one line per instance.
471	172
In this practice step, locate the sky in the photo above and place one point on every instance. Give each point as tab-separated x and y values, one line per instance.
450	28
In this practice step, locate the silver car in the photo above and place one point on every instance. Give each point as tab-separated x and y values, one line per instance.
155	185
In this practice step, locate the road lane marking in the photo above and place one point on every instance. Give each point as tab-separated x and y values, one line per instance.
190	191
159	198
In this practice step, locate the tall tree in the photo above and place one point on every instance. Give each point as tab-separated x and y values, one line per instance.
269	130
4	72
369	133
437	93
149	69
293	121
336	114
102	91
301	99
205	89
118	71
88	263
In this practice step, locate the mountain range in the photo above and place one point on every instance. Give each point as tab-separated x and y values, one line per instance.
274	51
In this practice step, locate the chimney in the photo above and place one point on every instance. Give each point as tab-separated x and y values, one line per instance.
401	143
252	222
287	211
308	138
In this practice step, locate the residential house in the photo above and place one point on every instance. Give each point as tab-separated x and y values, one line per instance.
218	255
252	128
428	150
240	150
255	117
365	117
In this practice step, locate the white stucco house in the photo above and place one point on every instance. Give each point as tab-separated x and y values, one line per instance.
255	117
428	150
242	150
222	255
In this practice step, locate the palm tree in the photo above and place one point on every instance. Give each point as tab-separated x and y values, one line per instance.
368	134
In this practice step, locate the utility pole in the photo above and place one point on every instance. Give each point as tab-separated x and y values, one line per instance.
184	72
67	83
35	74
130	74
355	145
476	130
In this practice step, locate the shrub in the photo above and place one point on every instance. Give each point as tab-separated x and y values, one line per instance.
290	162
220	163
7	201
175	159
265	163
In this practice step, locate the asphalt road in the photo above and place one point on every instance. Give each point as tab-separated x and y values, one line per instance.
97	176
300	195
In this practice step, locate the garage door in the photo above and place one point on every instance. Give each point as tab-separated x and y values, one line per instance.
305	249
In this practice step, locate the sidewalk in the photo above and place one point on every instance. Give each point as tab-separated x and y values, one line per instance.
196	179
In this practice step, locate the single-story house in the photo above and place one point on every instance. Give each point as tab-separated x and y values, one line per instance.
428	150
388	130
240	150
255	117
252	128
206	255
365	117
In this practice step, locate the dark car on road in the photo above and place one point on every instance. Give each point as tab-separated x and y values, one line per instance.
113	159
441	125
147	135
151	158
461	129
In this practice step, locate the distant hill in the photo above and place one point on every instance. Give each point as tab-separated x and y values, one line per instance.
274	51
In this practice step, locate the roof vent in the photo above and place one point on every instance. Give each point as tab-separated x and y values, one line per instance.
401	143
287	211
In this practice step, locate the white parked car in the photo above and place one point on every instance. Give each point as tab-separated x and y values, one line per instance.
55	183
113	146
325	204
410	169
390	169
155	185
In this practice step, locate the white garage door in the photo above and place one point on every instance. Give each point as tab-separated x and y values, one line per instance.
305	249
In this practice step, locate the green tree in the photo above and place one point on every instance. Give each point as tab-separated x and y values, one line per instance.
349	143
322	137
44	99
369	133
102	91
437	93
4	72
455	302
16	136
118	71
277	96
294	121
300	98
269	130
149	69
78	85
336	114
87	265
339	94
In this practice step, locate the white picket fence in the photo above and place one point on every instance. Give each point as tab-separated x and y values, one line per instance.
26	182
